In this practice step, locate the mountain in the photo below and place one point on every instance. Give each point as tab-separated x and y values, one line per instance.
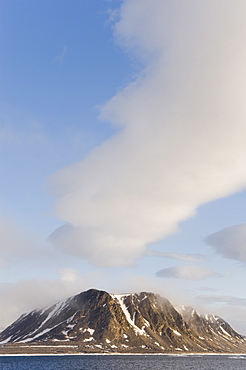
96	321
212	328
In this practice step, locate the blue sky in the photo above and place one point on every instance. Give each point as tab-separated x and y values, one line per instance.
122	152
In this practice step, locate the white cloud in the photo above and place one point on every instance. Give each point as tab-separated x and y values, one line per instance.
68	274
230	242
178	256
131	282
230	300
182	137
24	296
99	247
27	295
187	273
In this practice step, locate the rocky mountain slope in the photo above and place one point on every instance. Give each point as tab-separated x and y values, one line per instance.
96	321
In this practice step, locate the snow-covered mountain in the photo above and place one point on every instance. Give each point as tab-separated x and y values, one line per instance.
96	321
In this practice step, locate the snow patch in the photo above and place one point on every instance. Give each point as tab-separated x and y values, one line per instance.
70	326
144	298
120	299
176	332
91	331
88	339
224	331
6	340
71	318
147	323
36	336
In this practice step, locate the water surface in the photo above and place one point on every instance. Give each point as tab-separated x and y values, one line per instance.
123	362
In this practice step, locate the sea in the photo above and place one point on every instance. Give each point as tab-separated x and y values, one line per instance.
124	362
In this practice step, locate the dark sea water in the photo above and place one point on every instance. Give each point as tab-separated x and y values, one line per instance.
126	362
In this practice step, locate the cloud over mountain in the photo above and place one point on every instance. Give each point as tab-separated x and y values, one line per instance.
181	137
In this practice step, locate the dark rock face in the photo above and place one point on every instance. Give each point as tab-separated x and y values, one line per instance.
96	321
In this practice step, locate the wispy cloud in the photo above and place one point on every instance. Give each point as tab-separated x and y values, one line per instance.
187	273
230	300
178	256
68	274
182	137
230	242
60	58
207	289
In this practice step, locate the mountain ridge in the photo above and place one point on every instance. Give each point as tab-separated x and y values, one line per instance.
96	321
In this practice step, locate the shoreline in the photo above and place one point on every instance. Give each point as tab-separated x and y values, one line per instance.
122	354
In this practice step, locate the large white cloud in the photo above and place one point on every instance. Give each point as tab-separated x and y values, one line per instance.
181	137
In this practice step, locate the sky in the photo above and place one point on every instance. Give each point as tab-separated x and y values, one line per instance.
122	152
